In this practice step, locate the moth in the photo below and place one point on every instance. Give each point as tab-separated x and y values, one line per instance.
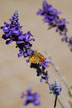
36	57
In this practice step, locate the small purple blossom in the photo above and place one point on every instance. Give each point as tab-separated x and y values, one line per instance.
31	97
44	77
45	64
61	27
65	38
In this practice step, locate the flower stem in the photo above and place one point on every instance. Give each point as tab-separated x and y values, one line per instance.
55	101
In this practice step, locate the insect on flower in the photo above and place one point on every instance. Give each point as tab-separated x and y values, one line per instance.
36	57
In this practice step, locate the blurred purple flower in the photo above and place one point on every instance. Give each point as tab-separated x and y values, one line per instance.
31	98
45	64
51	17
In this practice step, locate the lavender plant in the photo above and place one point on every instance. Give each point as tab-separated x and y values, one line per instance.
12	32
51	17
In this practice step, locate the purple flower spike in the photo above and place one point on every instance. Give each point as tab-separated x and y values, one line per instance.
55	88
12	32
51	16
31	98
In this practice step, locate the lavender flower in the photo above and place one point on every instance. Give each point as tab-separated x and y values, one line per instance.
31	98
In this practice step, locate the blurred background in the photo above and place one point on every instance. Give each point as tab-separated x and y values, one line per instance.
15	74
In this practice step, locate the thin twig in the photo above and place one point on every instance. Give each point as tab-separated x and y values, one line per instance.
56	69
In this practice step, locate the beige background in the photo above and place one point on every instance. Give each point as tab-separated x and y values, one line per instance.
15	74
